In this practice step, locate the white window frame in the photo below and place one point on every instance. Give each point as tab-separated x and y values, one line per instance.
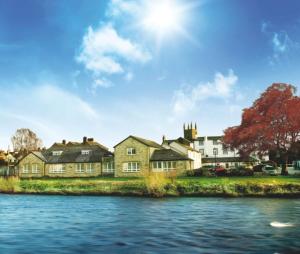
25	169
80	168
225	151
215	142
108	167
35	168
163	166
131	151
131	167
201	142
57	169
90	168
57	153
85	152
201	151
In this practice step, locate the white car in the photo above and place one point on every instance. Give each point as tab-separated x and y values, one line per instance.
270	170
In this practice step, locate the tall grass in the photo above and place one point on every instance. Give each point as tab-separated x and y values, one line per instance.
10	184
155	183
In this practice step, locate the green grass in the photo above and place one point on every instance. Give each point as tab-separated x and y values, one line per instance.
279	186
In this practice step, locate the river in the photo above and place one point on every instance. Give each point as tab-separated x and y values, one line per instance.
90	224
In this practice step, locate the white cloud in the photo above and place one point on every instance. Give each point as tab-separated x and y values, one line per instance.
104	50
118	7
101	83
280	42
52	112
129	76
222	87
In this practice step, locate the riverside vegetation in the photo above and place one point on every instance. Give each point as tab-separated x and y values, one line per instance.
158	185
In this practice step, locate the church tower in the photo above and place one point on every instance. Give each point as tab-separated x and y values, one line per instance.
190	132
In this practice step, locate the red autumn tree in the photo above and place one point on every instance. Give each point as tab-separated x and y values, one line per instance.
272	123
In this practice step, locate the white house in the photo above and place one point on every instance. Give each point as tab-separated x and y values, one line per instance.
186	148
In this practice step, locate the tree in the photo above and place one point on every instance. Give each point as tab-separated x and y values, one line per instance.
272	123
25	140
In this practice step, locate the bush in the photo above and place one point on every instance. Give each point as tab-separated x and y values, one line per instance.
195	172
240	171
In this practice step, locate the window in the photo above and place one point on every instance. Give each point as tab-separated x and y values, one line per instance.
35	169
225	151
131	151
159	166
85	152
215	151
108	167
215	142
56	153
131	167
80	168
201	143
201	151
25	169
90	168
57	169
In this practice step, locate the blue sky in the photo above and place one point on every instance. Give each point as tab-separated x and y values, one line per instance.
108	69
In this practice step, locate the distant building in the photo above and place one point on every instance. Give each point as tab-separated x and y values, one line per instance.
72	159
211	148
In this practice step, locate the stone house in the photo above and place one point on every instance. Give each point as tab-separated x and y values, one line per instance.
135	156
72	159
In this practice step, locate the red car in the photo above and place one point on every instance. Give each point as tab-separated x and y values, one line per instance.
220	171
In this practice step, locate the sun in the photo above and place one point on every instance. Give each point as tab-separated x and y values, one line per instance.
163	17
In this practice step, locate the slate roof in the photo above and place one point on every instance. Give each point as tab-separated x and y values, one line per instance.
71	153
146	142
167	155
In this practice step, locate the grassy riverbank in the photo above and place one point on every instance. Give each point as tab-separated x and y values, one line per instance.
277	186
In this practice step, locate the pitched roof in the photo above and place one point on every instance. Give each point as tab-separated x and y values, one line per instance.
167	155
73	154
40	155
146	142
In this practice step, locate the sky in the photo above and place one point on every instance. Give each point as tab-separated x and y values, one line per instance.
112	68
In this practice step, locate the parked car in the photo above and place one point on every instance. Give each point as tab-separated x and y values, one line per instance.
270	170
220	171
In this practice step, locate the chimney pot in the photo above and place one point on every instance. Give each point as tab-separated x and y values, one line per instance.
84	140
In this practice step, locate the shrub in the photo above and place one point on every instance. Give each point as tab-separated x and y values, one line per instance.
195	172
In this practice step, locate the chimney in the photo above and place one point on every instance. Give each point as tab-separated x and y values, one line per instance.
63	141
84	140
163	138
90	139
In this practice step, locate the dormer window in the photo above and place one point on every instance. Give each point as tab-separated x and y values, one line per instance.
215	142
131	151
56	153
85	152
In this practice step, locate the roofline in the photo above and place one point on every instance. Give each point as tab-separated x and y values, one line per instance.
32	152
136	138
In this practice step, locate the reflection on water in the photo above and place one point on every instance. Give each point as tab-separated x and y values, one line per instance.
60	224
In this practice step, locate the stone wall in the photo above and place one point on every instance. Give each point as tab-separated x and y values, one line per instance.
142	156
30	160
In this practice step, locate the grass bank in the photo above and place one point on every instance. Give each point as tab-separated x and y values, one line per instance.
158	186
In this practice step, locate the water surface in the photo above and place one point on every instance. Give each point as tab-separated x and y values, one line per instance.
87	224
